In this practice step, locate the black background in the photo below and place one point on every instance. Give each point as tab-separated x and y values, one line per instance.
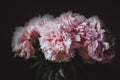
16	13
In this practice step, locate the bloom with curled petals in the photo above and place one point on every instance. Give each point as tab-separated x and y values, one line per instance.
23	41
56	45
38	22
60	37
72	20
94	41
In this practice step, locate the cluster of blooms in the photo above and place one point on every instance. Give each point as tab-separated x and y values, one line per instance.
60	37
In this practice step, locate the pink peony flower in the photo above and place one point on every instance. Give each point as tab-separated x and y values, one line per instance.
74	26
59	37
94	41
23	41
71	19
56	44
38	22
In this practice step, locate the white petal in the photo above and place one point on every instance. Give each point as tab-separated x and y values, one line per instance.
77	38
106	44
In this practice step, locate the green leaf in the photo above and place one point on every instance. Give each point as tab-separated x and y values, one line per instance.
61	72
50	75
46	75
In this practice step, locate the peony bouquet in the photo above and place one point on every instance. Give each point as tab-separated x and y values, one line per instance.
58	44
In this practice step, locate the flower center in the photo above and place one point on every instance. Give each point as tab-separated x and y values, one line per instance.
54	38
60	40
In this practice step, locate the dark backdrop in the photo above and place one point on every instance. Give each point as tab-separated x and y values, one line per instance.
16	13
